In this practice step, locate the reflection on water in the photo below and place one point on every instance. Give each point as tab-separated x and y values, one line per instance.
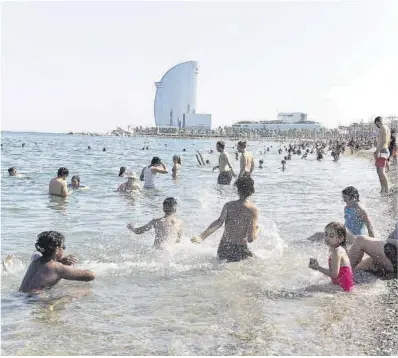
183	301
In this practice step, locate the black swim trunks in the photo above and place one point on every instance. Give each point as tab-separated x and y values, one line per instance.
232	252
225	178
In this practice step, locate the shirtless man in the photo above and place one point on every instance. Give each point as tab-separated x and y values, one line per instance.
47	269
240	218
168	229
225	167
246	161
382	153
58	185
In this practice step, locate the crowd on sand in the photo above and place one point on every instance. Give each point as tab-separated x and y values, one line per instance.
352	244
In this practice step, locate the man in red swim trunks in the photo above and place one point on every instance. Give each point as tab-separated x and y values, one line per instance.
382	153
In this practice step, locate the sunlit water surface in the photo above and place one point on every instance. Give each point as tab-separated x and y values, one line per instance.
182	301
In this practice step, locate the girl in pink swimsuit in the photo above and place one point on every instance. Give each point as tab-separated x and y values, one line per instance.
339	264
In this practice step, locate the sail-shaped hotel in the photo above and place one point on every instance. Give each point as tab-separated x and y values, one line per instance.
175	100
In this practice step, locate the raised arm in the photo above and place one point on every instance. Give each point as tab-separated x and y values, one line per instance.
215	225
162	170
70	273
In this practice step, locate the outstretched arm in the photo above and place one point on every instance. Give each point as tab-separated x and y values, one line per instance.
69	273
142	229
215	225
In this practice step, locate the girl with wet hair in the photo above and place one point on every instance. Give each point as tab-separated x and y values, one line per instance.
339	263
49	267
356	217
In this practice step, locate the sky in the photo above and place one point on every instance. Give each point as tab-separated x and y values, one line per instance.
91	66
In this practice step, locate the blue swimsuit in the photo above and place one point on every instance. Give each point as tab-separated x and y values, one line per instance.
354	223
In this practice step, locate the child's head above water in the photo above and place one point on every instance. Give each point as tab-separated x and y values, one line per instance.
12	171
177	159
50	244
170	205
122	171
245	187
350	194
75	181
335	234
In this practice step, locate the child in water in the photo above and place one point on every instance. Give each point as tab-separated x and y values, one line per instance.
339	263
176	166
75	183
47	269
168	229
356	218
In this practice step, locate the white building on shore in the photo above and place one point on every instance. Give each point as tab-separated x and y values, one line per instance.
175	100
285	122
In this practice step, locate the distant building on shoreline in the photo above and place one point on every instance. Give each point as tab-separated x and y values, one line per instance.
285	122
175	100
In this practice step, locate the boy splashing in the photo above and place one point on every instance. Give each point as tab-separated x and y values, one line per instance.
240	218
168	229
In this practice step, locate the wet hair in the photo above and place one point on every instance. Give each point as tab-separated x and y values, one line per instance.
261	161
10	170
104	149
76	177
156	161
378	119
48	242
63	171
340	230
242	144
221	144
351	192
169	205
177	158
122	171
245	186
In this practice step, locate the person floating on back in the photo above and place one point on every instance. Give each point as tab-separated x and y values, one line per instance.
240	218
339	263
58	185
168	229
47	269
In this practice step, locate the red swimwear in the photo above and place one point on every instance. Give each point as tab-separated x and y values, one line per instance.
344	279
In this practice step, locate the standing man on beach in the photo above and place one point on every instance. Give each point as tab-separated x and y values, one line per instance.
246	161
58	185
225	167
382	153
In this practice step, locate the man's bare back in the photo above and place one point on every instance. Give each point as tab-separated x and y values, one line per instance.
239	221
58	186
42	275
246	163
168	230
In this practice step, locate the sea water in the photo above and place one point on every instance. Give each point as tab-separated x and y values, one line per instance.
182	301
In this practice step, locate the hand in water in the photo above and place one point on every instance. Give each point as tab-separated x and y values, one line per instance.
313	264
196	240
68	260
130	226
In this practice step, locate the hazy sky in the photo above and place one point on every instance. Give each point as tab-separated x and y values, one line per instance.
91	66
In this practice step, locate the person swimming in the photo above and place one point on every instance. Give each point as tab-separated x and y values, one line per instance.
75	183
130	185
168	229
122	172
49	267
339	270
12	172
356	217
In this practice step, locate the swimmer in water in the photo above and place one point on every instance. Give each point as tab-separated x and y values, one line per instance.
356	217
261	162
104	149
49	267
339	270
168	229
240	218
176	166
12	172
75	183
88	147
246	161
283	162
148	173
122	172
130	185
58	185
224	166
